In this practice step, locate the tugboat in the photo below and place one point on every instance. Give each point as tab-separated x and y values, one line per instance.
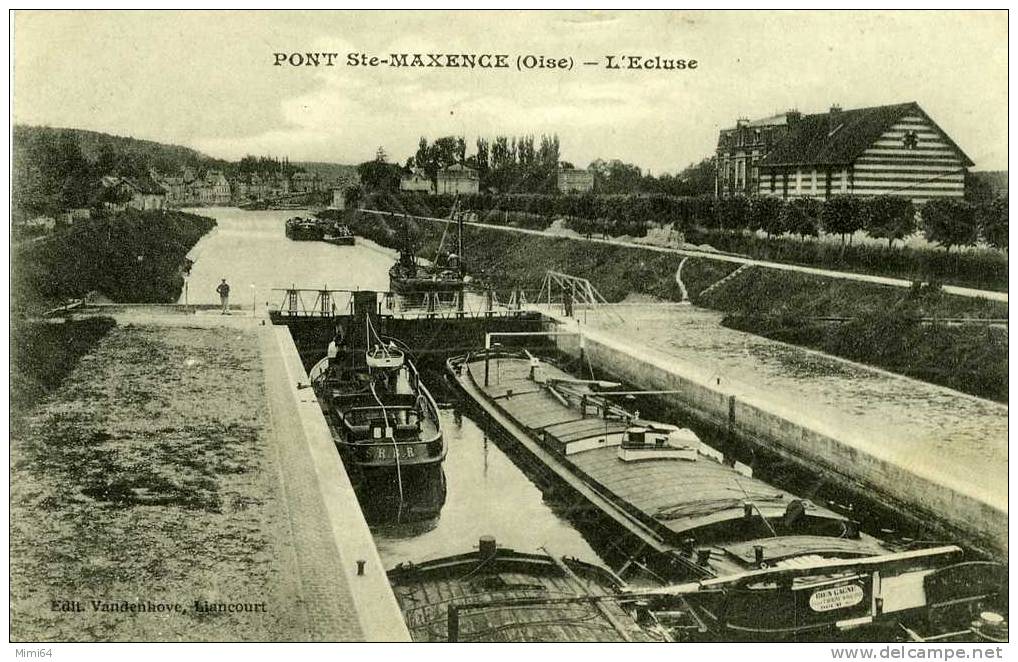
384	421
444	278
303	229
496	594
745	559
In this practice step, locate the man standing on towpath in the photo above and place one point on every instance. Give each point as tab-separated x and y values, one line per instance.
224	296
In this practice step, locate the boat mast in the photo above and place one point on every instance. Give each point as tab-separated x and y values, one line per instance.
459	247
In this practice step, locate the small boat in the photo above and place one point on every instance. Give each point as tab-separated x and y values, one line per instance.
337	233
749	559
385	425
303	229
496	594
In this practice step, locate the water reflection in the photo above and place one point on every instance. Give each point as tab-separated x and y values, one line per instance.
487	495
412	496
250	250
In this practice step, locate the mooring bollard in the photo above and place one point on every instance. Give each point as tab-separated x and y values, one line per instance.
360	568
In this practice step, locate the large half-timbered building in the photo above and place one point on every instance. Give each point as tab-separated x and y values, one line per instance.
884	150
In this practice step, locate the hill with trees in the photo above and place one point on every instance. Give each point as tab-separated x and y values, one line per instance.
55	169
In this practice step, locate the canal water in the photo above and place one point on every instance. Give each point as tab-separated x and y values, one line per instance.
486	493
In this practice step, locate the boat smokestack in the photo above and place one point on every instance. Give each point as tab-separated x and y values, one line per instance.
487	546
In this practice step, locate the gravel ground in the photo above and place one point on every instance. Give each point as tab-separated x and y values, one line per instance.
146	478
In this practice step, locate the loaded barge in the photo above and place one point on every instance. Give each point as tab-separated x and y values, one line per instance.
303	229
740	557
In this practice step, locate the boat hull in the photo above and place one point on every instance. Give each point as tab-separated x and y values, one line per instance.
808	596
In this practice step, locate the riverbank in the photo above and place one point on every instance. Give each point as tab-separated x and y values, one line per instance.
969	359
130	257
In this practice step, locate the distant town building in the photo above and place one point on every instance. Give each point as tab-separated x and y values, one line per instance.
214	189
884	150
457	178
176	191
136	192
416	180
572	180
190	189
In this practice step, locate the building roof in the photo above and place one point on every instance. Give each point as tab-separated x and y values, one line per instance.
811	141
458	167
414	173
144	184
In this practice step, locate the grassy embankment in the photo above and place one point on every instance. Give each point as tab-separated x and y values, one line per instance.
884	331
697	221
133	257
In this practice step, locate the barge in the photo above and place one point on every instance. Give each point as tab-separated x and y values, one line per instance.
495	594
742	557
337	233
303	229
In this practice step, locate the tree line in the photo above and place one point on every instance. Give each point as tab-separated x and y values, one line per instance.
529	164
948	222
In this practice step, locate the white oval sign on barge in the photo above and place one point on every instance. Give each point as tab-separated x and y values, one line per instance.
838	597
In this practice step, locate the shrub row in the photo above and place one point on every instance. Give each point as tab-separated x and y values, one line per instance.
723	223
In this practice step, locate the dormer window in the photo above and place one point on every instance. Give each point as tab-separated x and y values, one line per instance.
911	140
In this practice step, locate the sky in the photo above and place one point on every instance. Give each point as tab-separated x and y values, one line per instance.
206	79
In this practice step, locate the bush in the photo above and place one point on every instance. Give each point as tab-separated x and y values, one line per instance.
841	215
765	214
888	217
950	222
801	216
733	213
992	221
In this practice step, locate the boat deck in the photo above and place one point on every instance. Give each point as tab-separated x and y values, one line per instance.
487	614
675	495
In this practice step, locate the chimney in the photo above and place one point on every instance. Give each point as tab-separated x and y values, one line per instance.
833	118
